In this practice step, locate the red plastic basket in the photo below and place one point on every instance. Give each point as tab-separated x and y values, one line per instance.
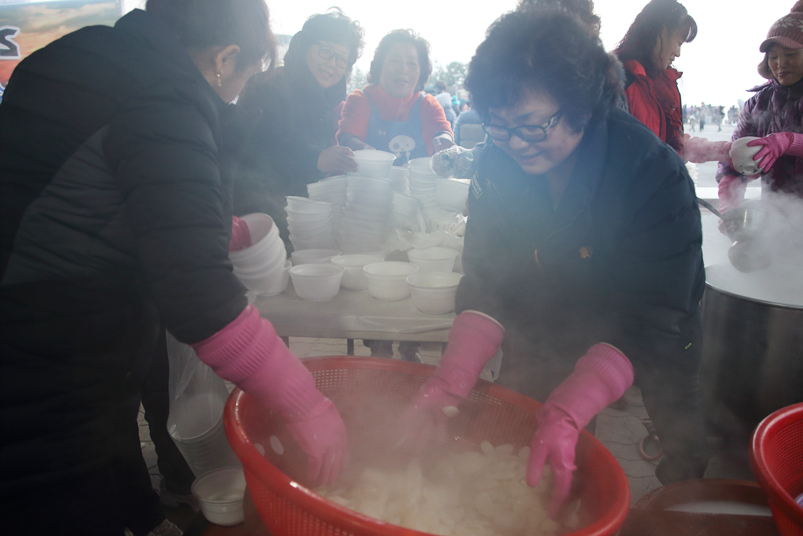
776	455
356	384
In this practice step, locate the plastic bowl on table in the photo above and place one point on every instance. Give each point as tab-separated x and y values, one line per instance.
387	281
433	292
422	166
220	495
434	259
373	163
313	256
280	487
316	282
354	277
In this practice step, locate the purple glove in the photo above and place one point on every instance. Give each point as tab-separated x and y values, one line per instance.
599	378
473	341
775	146
248	353
240	235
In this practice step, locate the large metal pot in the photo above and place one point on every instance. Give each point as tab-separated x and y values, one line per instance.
752	346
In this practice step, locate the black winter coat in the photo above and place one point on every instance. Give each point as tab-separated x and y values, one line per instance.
281	158
618	261
115	184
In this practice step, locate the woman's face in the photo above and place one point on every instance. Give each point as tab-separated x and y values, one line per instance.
400	71
535	108
786	64
667	47
327	62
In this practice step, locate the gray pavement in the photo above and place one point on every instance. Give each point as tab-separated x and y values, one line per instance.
619	428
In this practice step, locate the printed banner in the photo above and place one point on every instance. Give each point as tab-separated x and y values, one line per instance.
27	27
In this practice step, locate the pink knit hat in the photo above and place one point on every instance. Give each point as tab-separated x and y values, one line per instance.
786	31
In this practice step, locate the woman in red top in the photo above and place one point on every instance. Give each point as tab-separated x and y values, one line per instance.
391	113
647	51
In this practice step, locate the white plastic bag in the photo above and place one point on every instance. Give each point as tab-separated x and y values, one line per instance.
197	399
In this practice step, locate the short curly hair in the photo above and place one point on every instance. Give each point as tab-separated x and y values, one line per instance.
582	9
548	52
334	27
392	39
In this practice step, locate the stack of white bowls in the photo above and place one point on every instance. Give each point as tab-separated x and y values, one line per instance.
398	180
424	186
363	228
261	266
404	212
309	222
332	191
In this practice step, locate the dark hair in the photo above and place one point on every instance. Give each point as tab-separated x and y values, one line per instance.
547	52
582	9
392	39
204	24
334	27
640	40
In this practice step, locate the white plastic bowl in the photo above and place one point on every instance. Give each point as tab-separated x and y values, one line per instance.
387	281
283	281
307	205
313	256
373	163
433	292
316	282
451	194
742	156
220	494
354	277
265	241
434	259
421	165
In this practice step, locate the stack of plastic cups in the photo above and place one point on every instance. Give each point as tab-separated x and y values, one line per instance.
332	191
310	223
363	228
261	267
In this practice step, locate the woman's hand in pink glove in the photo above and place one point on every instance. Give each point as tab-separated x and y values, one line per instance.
248	353
473	341
554	440
600	378
322	437
240	235
775	146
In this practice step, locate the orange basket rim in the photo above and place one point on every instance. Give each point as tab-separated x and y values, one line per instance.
331	512
778	496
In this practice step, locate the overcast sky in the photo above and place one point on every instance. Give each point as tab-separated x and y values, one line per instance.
718	66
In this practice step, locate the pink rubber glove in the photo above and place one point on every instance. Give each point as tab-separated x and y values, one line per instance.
473	341
240	235
731	193
600	378
775	146
700	150
248	353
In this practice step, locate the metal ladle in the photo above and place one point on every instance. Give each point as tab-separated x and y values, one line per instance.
743	225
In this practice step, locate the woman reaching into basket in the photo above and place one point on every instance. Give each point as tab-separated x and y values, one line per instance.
582	255
116	153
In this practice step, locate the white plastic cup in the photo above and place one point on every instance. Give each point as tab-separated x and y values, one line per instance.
387	281
353	276
316	282
220	495
433	292
434	259
373	163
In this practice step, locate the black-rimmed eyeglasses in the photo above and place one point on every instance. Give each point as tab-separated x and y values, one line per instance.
326	53
528	133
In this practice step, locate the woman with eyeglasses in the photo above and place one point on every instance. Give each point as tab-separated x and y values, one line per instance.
391	113
294	143
582	254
